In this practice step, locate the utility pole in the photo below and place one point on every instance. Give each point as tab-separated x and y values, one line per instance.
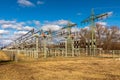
69	41
44	36
91	20
37	45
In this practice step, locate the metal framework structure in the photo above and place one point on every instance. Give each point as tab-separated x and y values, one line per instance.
47	42
52	43
91	43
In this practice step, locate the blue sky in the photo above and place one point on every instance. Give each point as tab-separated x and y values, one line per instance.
19	16
51	10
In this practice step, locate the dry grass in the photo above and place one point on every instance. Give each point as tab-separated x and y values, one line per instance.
3	56
79	68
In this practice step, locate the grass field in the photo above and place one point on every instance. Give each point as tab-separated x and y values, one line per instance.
59	68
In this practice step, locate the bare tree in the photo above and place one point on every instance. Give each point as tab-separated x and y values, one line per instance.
106	36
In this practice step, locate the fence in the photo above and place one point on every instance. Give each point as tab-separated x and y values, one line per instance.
17	55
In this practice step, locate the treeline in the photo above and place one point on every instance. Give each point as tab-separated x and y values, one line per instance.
106	37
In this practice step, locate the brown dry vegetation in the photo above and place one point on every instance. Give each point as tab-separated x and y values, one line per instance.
59	68
3	56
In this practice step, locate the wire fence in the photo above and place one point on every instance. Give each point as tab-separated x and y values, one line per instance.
17	55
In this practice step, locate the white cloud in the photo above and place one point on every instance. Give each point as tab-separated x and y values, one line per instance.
12	26
4	32
50	26
20	33
7	26
7	22
1	37
15	25
5	42
102	23
25	3
61	22
14	36
55	25
27	28
58	22
14	29
17	34
40	2
36	22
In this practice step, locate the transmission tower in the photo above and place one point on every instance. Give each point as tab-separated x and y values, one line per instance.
92	19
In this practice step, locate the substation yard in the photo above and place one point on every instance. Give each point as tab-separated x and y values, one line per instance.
61	68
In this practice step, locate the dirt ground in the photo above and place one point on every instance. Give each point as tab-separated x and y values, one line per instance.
60	68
